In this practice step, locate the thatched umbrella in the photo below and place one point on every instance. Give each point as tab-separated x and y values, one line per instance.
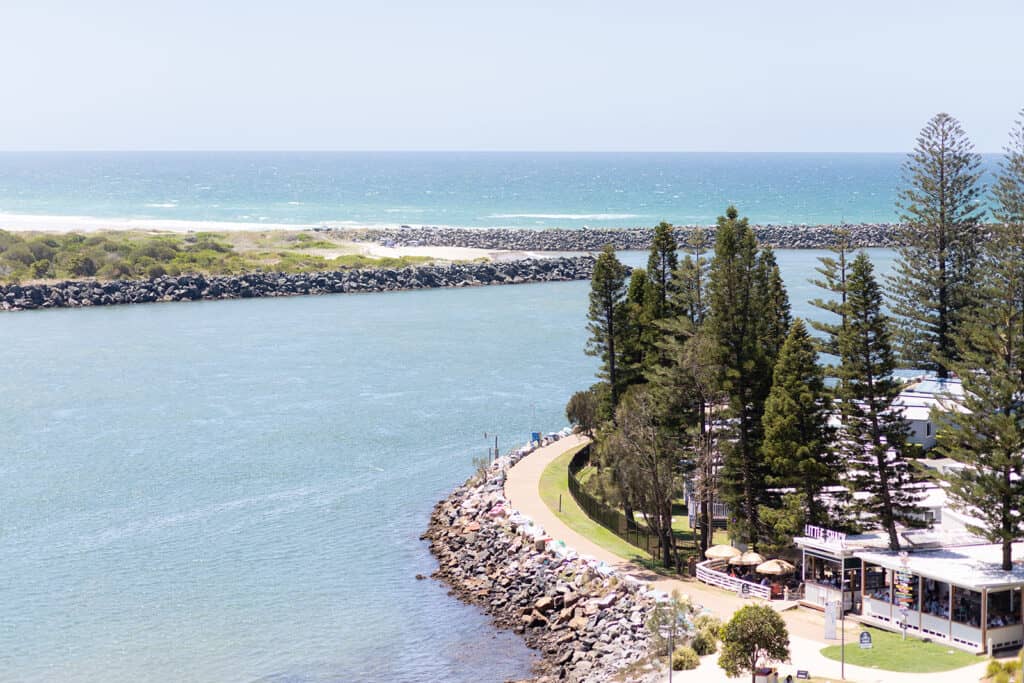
775	568
721	552
747	559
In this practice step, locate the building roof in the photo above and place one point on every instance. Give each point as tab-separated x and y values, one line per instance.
973	566
934	386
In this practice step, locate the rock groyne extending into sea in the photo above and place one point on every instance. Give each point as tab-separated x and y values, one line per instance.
587	622
196	287
559	239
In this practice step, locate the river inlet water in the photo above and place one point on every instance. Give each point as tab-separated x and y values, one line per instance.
234	490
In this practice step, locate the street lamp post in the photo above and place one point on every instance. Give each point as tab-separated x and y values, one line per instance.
842	619
671	629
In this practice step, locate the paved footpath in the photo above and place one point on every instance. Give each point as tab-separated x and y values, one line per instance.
806	627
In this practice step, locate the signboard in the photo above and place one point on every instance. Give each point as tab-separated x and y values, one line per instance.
865	640
826	536
802	675
831	617
904	589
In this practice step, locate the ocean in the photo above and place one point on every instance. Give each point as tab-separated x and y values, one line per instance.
526	190
234	490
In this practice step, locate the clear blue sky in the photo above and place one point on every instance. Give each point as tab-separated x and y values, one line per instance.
746	75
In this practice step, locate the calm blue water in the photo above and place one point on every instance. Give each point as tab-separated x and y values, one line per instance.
234	491
461	189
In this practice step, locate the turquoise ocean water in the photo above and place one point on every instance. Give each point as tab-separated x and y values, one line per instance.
234	491
462	189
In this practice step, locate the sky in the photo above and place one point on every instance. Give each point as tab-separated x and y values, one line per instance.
567	75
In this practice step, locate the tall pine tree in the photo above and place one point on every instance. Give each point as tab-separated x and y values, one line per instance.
988	437
833	271
873	437
637	330
774	305
606	316
942	213
741	285
798	441
661	264
690	280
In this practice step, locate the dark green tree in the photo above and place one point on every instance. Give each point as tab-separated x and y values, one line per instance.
755	636
606	316
873	437
637	330
583	409
833	271
741	329
988	437
773	304
661	264
942	211
798	441
690	281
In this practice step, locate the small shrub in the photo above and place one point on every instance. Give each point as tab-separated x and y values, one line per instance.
705	642
685	659
40	268
708	622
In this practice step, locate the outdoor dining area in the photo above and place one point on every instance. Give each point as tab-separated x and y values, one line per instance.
957	593
748	573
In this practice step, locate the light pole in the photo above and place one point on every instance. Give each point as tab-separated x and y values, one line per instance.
671	629
842	618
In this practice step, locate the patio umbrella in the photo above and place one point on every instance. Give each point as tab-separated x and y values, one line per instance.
747	559
721	552
775	567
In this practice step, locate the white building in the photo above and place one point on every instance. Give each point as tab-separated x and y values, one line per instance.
917	400
947	585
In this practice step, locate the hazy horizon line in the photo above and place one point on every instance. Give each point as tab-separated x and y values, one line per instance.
450	151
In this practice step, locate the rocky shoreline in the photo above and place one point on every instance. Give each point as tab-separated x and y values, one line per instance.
587	623
560	239
73	294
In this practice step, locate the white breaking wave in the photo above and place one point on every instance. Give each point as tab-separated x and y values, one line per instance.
569	216
163	205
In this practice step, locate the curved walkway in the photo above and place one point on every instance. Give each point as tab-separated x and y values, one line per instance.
522	489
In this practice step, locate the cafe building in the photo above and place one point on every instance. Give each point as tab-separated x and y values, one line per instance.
954	592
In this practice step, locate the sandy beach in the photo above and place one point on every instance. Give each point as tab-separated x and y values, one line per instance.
90	224
29	223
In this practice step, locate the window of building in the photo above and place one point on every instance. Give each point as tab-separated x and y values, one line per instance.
1004	608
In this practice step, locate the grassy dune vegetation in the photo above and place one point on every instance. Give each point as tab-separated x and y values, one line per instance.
118	255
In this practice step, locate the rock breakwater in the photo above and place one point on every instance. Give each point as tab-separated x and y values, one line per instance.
196	287
588	623
559	239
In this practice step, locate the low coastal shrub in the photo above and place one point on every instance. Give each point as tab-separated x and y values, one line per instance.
708	622
128	255
705	642
685	659
1004	672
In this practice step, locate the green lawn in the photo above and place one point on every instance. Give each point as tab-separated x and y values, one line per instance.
554	482
891	653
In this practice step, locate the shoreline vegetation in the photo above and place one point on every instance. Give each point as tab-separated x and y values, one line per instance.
37	257
34	258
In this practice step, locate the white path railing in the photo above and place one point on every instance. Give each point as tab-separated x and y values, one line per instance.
710	572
